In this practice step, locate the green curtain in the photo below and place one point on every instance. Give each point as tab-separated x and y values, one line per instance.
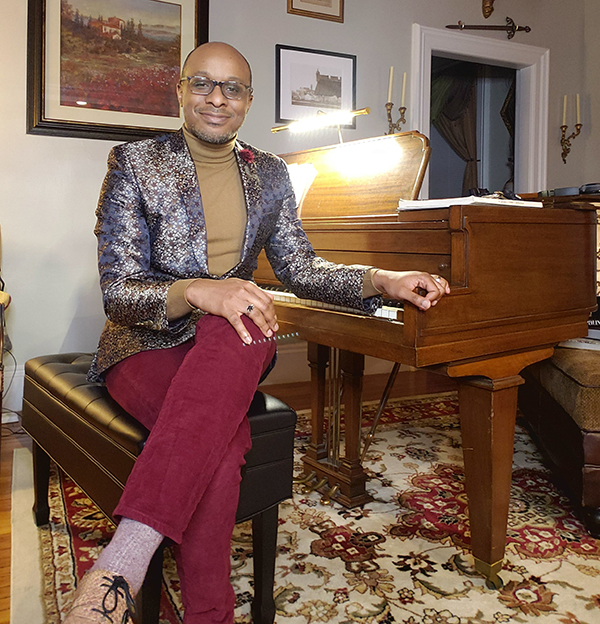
454	112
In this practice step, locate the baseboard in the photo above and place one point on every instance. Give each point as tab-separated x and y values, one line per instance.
12	400
292	364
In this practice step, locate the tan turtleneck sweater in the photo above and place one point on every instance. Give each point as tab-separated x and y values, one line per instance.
224	206
223	201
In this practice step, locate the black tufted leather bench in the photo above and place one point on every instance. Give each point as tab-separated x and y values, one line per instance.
92	439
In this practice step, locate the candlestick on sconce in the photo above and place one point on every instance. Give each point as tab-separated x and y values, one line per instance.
565	141
395	127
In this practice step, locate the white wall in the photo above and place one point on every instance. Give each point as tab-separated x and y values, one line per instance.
50	185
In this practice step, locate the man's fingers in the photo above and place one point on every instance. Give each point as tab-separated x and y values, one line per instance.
421	302
265	326
240	328
436	287
261	310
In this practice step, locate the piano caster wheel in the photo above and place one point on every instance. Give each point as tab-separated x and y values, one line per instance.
494	582
307	489
303	478
326	498
490	571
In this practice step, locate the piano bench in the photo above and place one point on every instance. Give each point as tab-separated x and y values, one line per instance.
560	401
93	440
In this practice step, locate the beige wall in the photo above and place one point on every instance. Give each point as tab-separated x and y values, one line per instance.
50	185
591	93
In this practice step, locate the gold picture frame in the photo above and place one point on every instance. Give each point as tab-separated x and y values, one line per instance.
332	10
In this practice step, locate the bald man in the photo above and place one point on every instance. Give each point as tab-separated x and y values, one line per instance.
180	223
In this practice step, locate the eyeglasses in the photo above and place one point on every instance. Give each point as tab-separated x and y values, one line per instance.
231	89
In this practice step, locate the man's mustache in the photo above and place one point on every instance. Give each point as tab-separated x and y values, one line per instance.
213	111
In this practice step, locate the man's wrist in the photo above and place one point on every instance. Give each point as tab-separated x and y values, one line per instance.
177	301
378	280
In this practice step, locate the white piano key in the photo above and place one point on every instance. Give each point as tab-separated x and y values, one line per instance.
385	312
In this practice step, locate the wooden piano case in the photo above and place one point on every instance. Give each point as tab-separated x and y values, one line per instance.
522	280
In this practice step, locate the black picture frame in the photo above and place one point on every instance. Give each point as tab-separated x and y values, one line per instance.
296	98
40	123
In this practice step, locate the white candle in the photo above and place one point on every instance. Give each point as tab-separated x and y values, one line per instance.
390	83
564	123
403	88
578	110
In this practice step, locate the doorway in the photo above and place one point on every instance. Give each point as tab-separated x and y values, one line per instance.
532	65
472	127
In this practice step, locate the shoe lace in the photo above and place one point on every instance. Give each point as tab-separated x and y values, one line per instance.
117	588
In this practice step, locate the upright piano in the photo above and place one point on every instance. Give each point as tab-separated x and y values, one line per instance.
522	280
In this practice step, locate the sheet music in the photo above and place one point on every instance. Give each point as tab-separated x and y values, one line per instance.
420	204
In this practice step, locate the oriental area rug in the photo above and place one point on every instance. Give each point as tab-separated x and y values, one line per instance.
403	558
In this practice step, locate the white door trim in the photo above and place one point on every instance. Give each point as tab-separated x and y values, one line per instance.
533	71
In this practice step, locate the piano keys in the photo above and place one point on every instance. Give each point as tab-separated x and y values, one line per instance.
522	280
388	311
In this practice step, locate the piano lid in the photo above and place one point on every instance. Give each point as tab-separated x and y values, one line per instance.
357	178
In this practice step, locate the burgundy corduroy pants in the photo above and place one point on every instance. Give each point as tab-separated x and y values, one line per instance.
185	484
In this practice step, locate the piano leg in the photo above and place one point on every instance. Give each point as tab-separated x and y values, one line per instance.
318	358
487	417
347	474
352	366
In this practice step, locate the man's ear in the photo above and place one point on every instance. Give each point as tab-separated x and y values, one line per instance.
179	90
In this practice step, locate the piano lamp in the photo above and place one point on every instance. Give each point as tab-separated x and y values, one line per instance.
322	120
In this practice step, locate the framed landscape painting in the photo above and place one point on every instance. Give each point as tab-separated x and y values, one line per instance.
108	69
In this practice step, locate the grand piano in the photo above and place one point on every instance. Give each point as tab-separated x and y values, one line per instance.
522	280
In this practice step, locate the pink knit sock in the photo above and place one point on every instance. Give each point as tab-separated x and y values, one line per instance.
129	552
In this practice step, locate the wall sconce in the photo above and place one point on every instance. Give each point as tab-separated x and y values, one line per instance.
323	120
565	141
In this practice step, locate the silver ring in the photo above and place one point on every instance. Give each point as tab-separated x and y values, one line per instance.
249	308
438	279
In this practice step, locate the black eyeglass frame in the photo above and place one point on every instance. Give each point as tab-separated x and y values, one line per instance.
218	83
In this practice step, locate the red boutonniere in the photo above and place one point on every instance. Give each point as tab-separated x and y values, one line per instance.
247	156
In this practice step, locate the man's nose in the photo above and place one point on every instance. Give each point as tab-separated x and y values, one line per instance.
216	97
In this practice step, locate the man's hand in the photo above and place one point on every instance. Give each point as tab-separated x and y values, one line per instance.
230	298
404	285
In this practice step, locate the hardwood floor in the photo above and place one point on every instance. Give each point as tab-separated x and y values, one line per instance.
296	395
10	441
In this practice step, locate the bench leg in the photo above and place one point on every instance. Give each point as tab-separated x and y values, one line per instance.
264	543
41	480
591	519
147	601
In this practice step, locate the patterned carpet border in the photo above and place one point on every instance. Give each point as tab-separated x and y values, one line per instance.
402	558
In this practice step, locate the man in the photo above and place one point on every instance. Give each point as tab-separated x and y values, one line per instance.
181	220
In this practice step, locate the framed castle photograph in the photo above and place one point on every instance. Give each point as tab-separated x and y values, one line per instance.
332	10
108	69
309	82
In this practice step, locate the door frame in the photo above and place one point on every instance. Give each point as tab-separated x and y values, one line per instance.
533	75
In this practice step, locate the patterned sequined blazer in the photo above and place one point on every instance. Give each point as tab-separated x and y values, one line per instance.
151	232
